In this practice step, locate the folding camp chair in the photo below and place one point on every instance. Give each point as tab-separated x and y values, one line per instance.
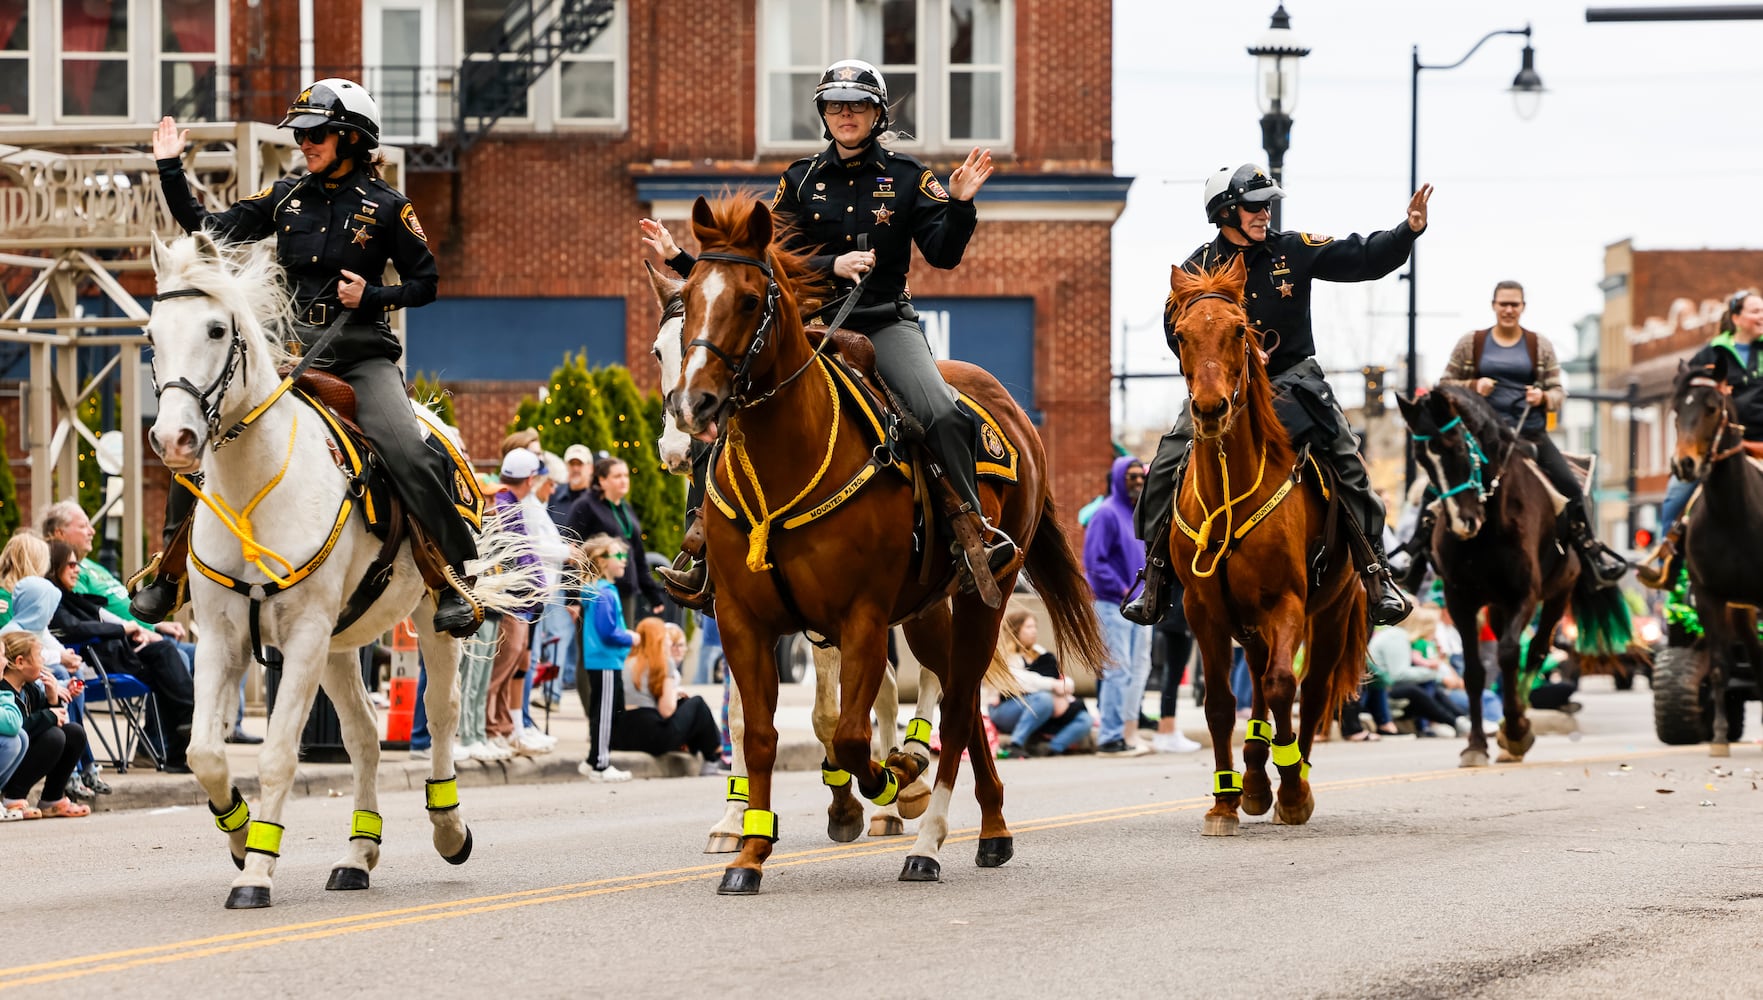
544	672
128	701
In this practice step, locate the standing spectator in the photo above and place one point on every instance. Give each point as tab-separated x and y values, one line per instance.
560	624
553	552
25	555
55	743
604	511
659	717
1178	647
514	628
1113	558
578	468
604	642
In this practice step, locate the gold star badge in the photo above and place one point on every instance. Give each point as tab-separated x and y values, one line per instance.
1285	289
882	215
361	237
847	74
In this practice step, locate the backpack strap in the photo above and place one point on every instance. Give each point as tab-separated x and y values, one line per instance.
1530	344
1480	344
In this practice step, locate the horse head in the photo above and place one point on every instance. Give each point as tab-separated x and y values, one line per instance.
674	445
1447	450
1218	349
732	303
1701	403
205	326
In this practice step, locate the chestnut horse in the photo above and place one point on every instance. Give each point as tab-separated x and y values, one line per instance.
851	569
1246	567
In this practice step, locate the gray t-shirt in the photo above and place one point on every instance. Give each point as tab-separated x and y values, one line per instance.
638	696
1512	370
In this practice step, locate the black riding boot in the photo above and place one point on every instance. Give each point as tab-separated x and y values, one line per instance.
158	599
1603	563
1152	603
1389	606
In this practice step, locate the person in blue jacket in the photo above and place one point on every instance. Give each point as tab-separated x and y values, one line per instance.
604	642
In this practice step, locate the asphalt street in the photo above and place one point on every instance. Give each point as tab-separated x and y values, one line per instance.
1605	865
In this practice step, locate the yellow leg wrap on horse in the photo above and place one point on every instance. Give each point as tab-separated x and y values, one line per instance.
759	823
441	795
1259	729
890	791
1286	754
234	816
918	731
264	838
737	788
832	777
1304	771
1227	783
366	825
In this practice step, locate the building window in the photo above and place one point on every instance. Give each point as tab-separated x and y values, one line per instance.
590	84
947	64
494	74
95	66
188	56
15	58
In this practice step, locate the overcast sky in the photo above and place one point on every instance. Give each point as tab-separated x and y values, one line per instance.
1647	131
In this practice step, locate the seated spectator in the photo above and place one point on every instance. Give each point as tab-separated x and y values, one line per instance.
55	743
1373	696
34	602
1413	677
25	555
659	717
1048	704
65	521
604	643
125	647
13	743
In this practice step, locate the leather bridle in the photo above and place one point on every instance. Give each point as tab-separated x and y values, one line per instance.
210	398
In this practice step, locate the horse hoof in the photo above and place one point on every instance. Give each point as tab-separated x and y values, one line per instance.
1257	804
914	800
886	826
1295	816
723	843
238	861
739	882
1508	757
844	833
994	851
1220	826
464	854
248	897
1720	750
347	879
1472	758
921	869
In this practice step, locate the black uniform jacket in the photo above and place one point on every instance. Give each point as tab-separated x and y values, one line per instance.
324	227
1746	381
1280	271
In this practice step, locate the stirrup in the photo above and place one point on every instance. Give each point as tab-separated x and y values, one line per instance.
996	559
1655	571
139	580
687	581
451	620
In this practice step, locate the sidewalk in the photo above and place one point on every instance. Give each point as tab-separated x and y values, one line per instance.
145	788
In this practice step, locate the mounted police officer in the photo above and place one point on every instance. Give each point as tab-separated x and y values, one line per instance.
854	188
1281	267
336	227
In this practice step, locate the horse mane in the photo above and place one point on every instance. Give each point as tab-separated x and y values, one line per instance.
796	275
245	278
1481	420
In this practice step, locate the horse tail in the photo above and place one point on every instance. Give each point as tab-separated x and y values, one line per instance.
510	577
1058	576
1349	669
1602	617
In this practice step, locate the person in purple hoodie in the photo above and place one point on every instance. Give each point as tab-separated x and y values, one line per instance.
1113	557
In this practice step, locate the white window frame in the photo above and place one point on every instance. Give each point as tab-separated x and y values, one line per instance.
464	56
33	34
428	111
161	57
933	71
126	57
620	60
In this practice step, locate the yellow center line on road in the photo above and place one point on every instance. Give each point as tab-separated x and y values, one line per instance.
118	961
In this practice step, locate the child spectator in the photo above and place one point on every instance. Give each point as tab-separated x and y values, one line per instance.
659	717
604	642
55	743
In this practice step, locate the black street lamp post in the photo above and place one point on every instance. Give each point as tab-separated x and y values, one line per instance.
1276	90
1526	90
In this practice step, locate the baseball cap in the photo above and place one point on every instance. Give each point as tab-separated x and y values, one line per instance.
521	464
578	453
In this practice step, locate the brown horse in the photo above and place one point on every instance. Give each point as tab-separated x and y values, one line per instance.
1246	565
791	447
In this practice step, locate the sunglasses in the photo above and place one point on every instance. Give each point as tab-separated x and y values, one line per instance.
314	134
1508	305
840	107
620	556
72	565
1258	208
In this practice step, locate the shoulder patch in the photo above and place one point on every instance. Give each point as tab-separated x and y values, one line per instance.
1313	240
261	194
408	214
927	183
782	183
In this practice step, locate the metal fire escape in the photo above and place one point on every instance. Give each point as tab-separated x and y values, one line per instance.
493	79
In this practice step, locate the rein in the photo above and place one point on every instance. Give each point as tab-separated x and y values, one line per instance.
1477	461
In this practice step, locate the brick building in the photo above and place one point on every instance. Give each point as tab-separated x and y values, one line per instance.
1660	306
537	132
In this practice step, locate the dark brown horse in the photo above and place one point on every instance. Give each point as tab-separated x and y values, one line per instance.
791	446
1498	546
1722	537
1244	557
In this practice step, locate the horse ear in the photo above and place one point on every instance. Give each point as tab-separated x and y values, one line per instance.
206	248
1236	276
703	221
759	226
666	288
157	247
1181	283
1409	407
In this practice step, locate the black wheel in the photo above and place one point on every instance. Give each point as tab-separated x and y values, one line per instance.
795	658
1677	696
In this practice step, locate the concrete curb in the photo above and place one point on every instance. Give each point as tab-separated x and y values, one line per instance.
153	790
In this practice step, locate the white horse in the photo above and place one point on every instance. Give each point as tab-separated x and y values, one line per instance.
845	814
215	333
